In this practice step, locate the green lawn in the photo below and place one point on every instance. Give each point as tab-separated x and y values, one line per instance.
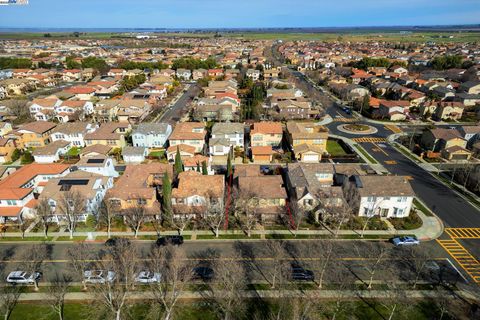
7	239
158	154
422	208
366	154
227	236
74	151
335	149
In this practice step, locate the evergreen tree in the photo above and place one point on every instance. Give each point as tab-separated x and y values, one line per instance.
198	167
166	198
178	166
204	168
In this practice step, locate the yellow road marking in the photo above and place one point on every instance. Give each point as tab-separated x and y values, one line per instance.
468	262
393	128
391	162
463	233
376	146
369	139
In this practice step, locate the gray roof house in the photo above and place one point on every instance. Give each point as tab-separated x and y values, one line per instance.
134	154
151	135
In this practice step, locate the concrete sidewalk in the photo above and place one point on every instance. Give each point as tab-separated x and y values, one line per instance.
314	294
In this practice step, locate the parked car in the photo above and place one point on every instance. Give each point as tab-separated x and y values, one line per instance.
175	240
98	276
405	241
147	277
22	277
300	273
115	241
203	273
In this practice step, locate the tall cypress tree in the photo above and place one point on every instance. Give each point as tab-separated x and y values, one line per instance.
198	167
166	198
204	168
178	166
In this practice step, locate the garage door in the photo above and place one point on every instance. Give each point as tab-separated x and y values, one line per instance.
310	157
459	156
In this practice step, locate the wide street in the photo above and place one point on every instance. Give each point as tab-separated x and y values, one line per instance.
351	257
180	107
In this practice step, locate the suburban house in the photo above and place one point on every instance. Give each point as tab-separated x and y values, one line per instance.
443	110
90	186
380	195
262	154
7	148
151	135
82	92
72	110
266	134
189	133
95	150
18	191
471	87
220	87
313	186
5	128
394	110
267	190
133	111
98	164
110	134
196	192
253	74
441	138
73	132
138	187
51	153
308	140
470	133
195	163
134	154
183	74
213	112
233	132
106	110
185	151
199	74
44	109
34	134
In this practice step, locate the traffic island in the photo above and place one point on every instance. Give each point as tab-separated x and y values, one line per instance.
358	129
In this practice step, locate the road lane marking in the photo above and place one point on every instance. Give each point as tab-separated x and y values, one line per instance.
468	262
369	139
378	147
393	128
463	233
392	162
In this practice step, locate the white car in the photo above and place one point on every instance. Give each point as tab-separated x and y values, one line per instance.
98	276
147	277
22	277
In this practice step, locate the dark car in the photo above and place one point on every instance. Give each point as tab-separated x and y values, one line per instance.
175	240
114	241
203	273
300	273
347	110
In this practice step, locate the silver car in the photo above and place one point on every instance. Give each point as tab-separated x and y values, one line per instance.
22	277
98	276
147	277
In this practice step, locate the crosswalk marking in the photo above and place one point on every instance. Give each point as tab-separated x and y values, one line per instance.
369	139
343	119
463	233
463	257
393	128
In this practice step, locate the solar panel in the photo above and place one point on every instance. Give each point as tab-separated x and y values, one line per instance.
95	161
78	182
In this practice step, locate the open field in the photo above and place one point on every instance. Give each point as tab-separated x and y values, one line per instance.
453	36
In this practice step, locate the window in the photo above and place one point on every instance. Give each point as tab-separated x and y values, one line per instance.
386	198
12	202
371	199
141	201
317	141
257	138
402	199
308	202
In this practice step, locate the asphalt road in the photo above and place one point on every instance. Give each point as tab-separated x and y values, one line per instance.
179	108
352	258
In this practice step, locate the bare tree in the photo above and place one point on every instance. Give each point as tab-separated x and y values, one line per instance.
19	108
135	217
416	262
32	259
214	217
339	216
44	213
71	206
246	211
181	220
323	256
23	226
80	256
8	299
228	287
374	254
57	291
106	214
295	216
121	259
176	273
276	249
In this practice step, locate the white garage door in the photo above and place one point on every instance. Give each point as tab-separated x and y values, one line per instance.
310	157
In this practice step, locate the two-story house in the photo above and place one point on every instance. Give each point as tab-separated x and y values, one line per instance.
151	135
266	134
34	134
308	140
226	136
44	109
73	132
110	134
189	133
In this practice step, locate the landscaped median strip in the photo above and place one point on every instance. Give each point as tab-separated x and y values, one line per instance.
365	153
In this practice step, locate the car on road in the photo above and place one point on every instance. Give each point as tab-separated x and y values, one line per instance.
114	241
203	273
147	277
22	277
98	276
347	110
175	240
301	274
405	241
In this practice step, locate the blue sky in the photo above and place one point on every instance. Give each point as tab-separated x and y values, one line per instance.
237	13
